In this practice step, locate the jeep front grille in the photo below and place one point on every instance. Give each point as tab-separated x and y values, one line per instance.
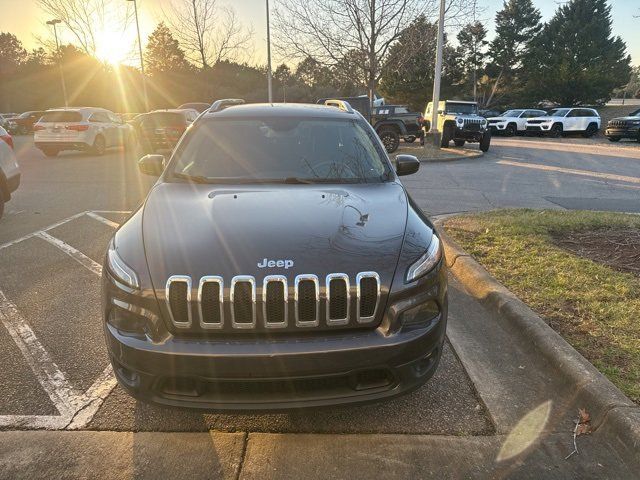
272	304
473	124
618	123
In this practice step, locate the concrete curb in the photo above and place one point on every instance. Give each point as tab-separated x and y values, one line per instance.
617	417
466	156
455	154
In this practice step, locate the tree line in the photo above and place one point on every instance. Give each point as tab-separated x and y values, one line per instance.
572	59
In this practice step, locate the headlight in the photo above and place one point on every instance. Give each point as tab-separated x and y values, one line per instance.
427	261
120	269
635	122
459	121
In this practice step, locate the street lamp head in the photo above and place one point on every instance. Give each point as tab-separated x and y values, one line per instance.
55	21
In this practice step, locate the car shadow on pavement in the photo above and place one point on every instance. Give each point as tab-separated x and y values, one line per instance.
447	404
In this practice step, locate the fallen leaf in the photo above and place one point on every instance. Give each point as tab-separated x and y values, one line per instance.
584	415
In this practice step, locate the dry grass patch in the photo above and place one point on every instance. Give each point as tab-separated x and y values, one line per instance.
578	270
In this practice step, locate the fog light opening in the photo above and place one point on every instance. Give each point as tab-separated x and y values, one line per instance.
131	378
368	379
183	386
422	366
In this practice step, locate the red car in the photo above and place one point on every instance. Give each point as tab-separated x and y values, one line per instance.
161	129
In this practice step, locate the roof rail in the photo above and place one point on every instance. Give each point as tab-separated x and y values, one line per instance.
341	104
224	103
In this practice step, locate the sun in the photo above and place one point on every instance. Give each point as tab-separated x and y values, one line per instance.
114	47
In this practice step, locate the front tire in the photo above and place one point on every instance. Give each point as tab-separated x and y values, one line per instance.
591	130
99	146
390	139
50	152
485	141
447	135
556	130
511	130
459	143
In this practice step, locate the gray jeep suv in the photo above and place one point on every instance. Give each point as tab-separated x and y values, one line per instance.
277	263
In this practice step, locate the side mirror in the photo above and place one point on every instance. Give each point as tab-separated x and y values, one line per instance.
406	165
151	165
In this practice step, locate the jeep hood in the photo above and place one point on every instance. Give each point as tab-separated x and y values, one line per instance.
202	230
626	119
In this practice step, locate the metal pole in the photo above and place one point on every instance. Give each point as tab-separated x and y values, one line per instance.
62	82
144	79
269	87
437	76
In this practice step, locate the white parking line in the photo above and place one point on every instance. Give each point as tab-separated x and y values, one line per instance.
573	171
74	253
46	371
76	408
100	218
46	229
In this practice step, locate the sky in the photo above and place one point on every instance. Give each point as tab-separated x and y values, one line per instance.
27	21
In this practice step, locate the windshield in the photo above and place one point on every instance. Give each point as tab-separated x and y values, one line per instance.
558	112
461	108
512	113
280	149
164	119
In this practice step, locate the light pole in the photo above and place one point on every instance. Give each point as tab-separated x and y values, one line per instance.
53	23
269	87
436	78
144	79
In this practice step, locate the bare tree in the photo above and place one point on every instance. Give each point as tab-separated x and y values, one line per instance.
85	19
208	31
330	30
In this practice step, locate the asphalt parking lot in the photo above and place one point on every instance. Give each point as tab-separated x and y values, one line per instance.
56	230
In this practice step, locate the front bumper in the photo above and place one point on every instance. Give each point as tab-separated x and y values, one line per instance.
539	128
63	145
275	375
469	135
628	132
13	183
288	370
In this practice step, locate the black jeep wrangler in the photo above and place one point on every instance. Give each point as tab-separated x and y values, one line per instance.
391	122
277	263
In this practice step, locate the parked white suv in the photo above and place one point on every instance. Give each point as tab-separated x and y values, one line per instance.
566	120
87	129
514	121
9	170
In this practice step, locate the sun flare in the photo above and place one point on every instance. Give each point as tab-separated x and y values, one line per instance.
114	47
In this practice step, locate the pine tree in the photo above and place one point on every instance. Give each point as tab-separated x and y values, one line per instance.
163	53
472	54
408	79
576	59
517	25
